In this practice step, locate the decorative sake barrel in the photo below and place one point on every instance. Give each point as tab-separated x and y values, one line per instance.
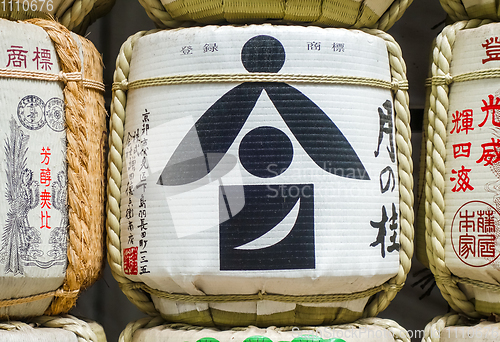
381	14
471	9
76	15
53	133
461	194
258	177
458	328
52	329
363	330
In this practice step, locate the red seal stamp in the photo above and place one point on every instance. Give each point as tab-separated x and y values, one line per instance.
474	233
130	260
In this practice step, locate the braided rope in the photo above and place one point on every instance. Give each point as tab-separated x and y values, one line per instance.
399	333
84	246
116	127
260	77
138	295
74	15
80	328
437	116
433	329
405	170
158	13
457	11
326	298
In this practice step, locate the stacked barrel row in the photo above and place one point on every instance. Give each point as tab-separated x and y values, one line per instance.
53	135
260	171
459	208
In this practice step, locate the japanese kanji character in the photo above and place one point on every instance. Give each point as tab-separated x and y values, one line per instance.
45	216
492	105
42	59
386	127
17	56
461	150
45	177
467	245
462	121
467	222
486	246
46	155
491	152
45	199
462	181
492	47
485	221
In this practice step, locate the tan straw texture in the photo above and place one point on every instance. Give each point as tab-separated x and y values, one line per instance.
335	13
398	333
435	133
84	331
76	15
139	293
472	9
86	136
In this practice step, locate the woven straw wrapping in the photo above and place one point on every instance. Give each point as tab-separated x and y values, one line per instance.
453	326
59	327
85	133
139	293
471	9
398	333
335	13
434	153
76	15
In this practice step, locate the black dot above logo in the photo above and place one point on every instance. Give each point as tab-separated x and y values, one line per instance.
266	152
263	54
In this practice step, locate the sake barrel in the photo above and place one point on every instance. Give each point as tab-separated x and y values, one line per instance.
381	14
64	328
53	133
76	15
461	189
471	9
250	184
366	330
459	328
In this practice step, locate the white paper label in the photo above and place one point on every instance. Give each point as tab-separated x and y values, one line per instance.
33	173
272	181
473	153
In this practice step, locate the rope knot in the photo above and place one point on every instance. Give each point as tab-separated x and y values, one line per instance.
122	85
448	79
261	295
62	77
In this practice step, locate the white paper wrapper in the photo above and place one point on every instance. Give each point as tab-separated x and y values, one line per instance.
482	332
33	212
361	333
472	172
321	217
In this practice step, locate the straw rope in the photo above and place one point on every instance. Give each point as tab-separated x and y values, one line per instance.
45	76
157	12
437	116
405	170
399	333
457	10
84	245
138	292
261	77
325	298
80	328
71	17
433	329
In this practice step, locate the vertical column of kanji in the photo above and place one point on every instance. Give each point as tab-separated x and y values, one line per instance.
462	234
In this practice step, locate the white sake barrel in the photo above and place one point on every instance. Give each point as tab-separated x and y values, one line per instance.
381	14
51	189
456	328
471	9
73	14
263	178
52	329
462	209
363	330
